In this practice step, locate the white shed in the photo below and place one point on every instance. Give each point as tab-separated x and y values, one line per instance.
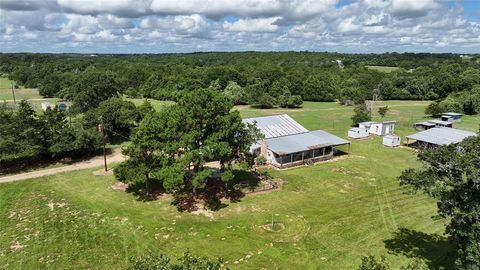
383	128
391	140
358	133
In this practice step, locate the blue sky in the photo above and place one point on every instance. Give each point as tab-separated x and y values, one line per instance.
159	26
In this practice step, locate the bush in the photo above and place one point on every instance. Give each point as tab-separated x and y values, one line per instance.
260	160
362	114
186	262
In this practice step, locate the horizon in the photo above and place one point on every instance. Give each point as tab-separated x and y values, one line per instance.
190	26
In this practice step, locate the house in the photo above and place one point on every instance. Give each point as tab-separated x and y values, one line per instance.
424	125
440	123
391	140
358	133
286	143
451	117
379	128
46	105
438	136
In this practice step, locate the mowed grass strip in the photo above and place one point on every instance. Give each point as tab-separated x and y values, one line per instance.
330	214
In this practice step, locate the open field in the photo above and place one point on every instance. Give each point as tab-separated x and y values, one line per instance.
383	68
21	93
333	212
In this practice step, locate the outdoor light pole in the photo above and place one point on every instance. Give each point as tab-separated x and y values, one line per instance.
13	94
101	129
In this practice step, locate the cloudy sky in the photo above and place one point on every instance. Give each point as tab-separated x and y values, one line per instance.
157	26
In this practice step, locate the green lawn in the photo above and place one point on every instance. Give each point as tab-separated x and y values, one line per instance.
333	213
21	93
383	68
157	104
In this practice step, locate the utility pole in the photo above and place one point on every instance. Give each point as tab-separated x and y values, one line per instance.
101	129
13	94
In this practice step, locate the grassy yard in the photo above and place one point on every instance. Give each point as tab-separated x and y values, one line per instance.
157	104
333	212
21	93
383	68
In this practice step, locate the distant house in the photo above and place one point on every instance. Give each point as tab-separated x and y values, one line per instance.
379	128
440	123
451	117
391	140
424	125
287	143
358	133
438	136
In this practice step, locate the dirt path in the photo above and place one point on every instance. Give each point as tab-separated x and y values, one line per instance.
91	163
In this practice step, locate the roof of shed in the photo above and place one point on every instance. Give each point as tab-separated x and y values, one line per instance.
435	121
390	136
276	125
441	135
303	142
426	123
452	114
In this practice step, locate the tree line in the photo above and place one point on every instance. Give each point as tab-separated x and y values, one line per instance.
259	79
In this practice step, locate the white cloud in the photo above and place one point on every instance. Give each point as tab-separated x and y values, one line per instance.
412	8
252	25
190	25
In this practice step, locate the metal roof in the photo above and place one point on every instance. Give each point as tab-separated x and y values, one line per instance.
276	125
452	114
367	123
391	136
303	142
440	122
426	123
441	135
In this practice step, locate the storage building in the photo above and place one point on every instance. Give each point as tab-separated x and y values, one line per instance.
358	133
287	143
451	117
391	140
438	136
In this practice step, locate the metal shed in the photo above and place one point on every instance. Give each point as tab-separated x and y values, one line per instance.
439	136
424	125
358	133
440	123
451	116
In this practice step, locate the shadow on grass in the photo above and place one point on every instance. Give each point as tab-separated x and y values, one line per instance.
436	250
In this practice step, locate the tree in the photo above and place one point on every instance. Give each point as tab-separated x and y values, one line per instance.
117	115
372	263
173	145
92	88
320	87
186	262
383	111
361	114
235	92
434	109
451	174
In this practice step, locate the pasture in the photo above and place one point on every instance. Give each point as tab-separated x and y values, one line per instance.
385	69
330	214
20	93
